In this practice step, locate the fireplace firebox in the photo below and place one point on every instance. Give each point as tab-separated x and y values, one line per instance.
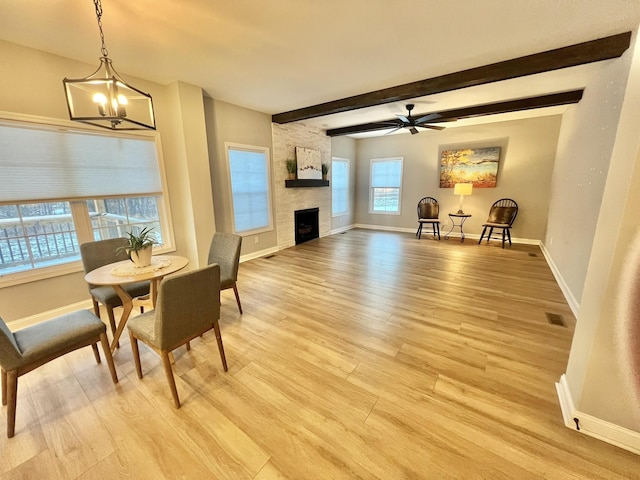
306	225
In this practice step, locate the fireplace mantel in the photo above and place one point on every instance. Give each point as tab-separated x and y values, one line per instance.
305	182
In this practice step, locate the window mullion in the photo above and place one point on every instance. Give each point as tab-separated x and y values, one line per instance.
82	221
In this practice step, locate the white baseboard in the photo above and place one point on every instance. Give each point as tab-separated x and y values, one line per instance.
595	427
341	229
566	402
260	253
571	300
56	312
385	228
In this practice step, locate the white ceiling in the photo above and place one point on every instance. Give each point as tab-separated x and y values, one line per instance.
279	55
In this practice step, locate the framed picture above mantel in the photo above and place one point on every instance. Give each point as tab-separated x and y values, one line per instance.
309	163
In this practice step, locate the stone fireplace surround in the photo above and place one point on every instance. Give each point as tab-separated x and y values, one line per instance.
287	200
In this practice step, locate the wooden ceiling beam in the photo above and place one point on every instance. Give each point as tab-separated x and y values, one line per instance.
528	103
571	56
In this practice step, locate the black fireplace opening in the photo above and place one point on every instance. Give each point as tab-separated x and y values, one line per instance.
306	225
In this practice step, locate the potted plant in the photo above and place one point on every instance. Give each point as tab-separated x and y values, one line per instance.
325	170
292	166
140	247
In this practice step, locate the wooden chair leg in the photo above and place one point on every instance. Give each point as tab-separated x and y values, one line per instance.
418	231
96	307
107	354
4	387
482	235
438	227
235	290
12	396
490	233
96	353
169	373
504	231
112	323
509	235
216	329
136	354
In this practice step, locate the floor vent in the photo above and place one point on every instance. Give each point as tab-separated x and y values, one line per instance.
533	254
555	319
269	256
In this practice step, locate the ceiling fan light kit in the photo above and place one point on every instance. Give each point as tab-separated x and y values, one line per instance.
104	99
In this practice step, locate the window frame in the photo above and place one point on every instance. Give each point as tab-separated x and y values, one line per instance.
79	210
256	149
372	211
346	161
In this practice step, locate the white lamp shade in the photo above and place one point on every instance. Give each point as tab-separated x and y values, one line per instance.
463	189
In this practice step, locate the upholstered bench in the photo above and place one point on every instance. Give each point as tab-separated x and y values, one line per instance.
31	347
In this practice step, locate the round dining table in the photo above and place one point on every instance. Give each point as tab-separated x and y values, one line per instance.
121	273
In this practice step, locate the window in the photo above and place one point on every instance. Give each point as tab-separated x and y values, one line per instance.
63	186
36	235
386	185
251	196
339	186
113	217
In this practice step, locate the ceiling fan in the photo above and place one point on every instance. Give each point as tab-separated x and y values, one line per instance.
407	121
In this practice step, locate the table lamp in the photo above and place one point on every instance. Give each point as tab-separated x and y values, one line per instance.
462	189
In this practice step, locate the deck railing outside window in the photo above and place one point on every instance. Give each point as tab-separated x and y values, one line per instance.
40	241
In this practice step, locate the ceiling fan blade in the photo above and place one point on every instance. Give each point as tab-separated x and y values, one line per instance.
413	130
428	118
394	130
403	118
432	127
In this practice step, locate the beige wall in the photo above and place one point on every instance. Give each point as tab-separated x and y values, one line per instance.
597	373
586	139
189	168
32	85
345	147
234	124
524	174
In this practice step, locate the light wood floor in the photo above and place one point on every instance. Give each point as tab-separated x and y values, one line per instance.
362	355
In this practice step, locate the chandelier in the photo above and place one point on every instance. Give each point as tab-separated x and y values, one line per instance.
104	99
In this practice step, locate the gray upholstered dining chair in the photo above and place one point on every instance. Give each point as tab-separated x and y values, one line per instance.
31	347
97	254
225	251
188	306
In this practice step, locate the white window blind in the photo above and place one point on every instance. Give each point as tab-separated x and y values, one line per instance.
386	184
339	186
41	163
386	173
249	171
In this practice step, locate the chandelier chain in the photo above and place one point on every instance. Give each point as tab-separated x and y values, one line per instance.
98	5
